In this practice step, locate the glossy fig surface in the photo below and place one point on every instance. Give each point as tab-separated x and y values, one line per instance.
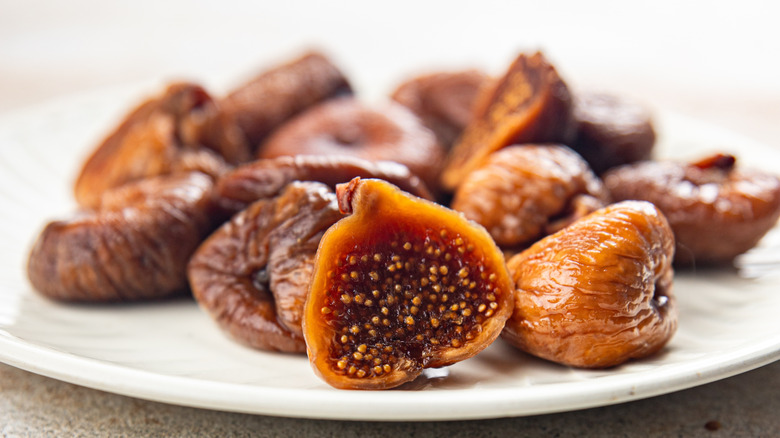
523	192
599	292
399	285
266	178
612	130
252	274
346	126
150	142
444	101
134	246
716	209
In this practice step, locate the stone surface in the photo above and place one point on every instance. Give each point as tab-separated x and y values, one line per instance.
742	406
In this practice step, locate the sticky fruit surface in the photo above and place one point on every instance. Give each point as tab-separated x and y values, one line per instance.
598	292
400	285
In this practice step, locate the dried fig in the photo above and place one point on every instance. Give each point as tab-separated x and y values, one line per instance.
598	292
716	210
443	101
612	130
134	246
276	95
252	275
149	142
529	104
346	126
266	178
521	193
400	285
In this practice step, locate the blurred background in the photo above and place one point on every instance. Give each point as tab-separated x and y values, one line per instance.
718	60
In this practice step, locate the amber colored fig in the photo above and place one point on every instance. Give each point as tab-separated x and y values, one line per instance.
266	178
399	285
529	104
134	246
252	275
150	142
717	211
276	95
523	192
612	130
598	292
346	126
444	101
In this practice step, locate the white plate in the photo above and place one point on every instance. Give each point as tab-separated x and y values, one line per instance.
172	352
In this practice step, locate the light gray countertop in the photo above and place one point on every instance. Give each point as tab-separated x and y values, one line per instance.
746	405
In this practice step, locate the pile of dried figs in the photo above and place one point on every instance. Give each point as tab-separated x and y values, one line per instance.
385	239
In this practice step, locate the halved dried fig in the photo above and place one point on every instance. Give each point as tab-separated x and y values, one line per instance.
529	104
443	101
400	285
266	178
523	192
149	142
252	274
612	130
716	210
346	126
276	95
598	292
134	246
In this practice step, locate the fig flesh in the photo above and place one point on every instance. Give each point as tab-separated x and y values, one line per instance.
252	274
134	246
598	292
529	104
399	285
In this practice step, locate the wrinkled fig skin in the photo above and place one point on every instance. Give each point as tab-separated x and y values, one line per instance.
252	274
520	191
529	104
266	178
347	126
443	101
134	246
612	130
597	293
399	285
149	142
275	96
716	211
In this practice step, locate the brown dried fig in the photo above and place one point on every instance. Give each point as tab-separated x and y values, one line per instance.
443	101
149	142
598	292
612	130
276	95
266	178
346	126
717	211
134	246
399	285
252	275
529	104
524	192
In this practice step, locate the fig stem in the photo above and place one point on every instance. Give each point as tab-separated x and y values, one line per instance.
344	193
724	162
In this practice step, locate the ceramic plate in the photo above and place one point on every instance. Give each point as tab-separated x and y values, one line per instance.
172	352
